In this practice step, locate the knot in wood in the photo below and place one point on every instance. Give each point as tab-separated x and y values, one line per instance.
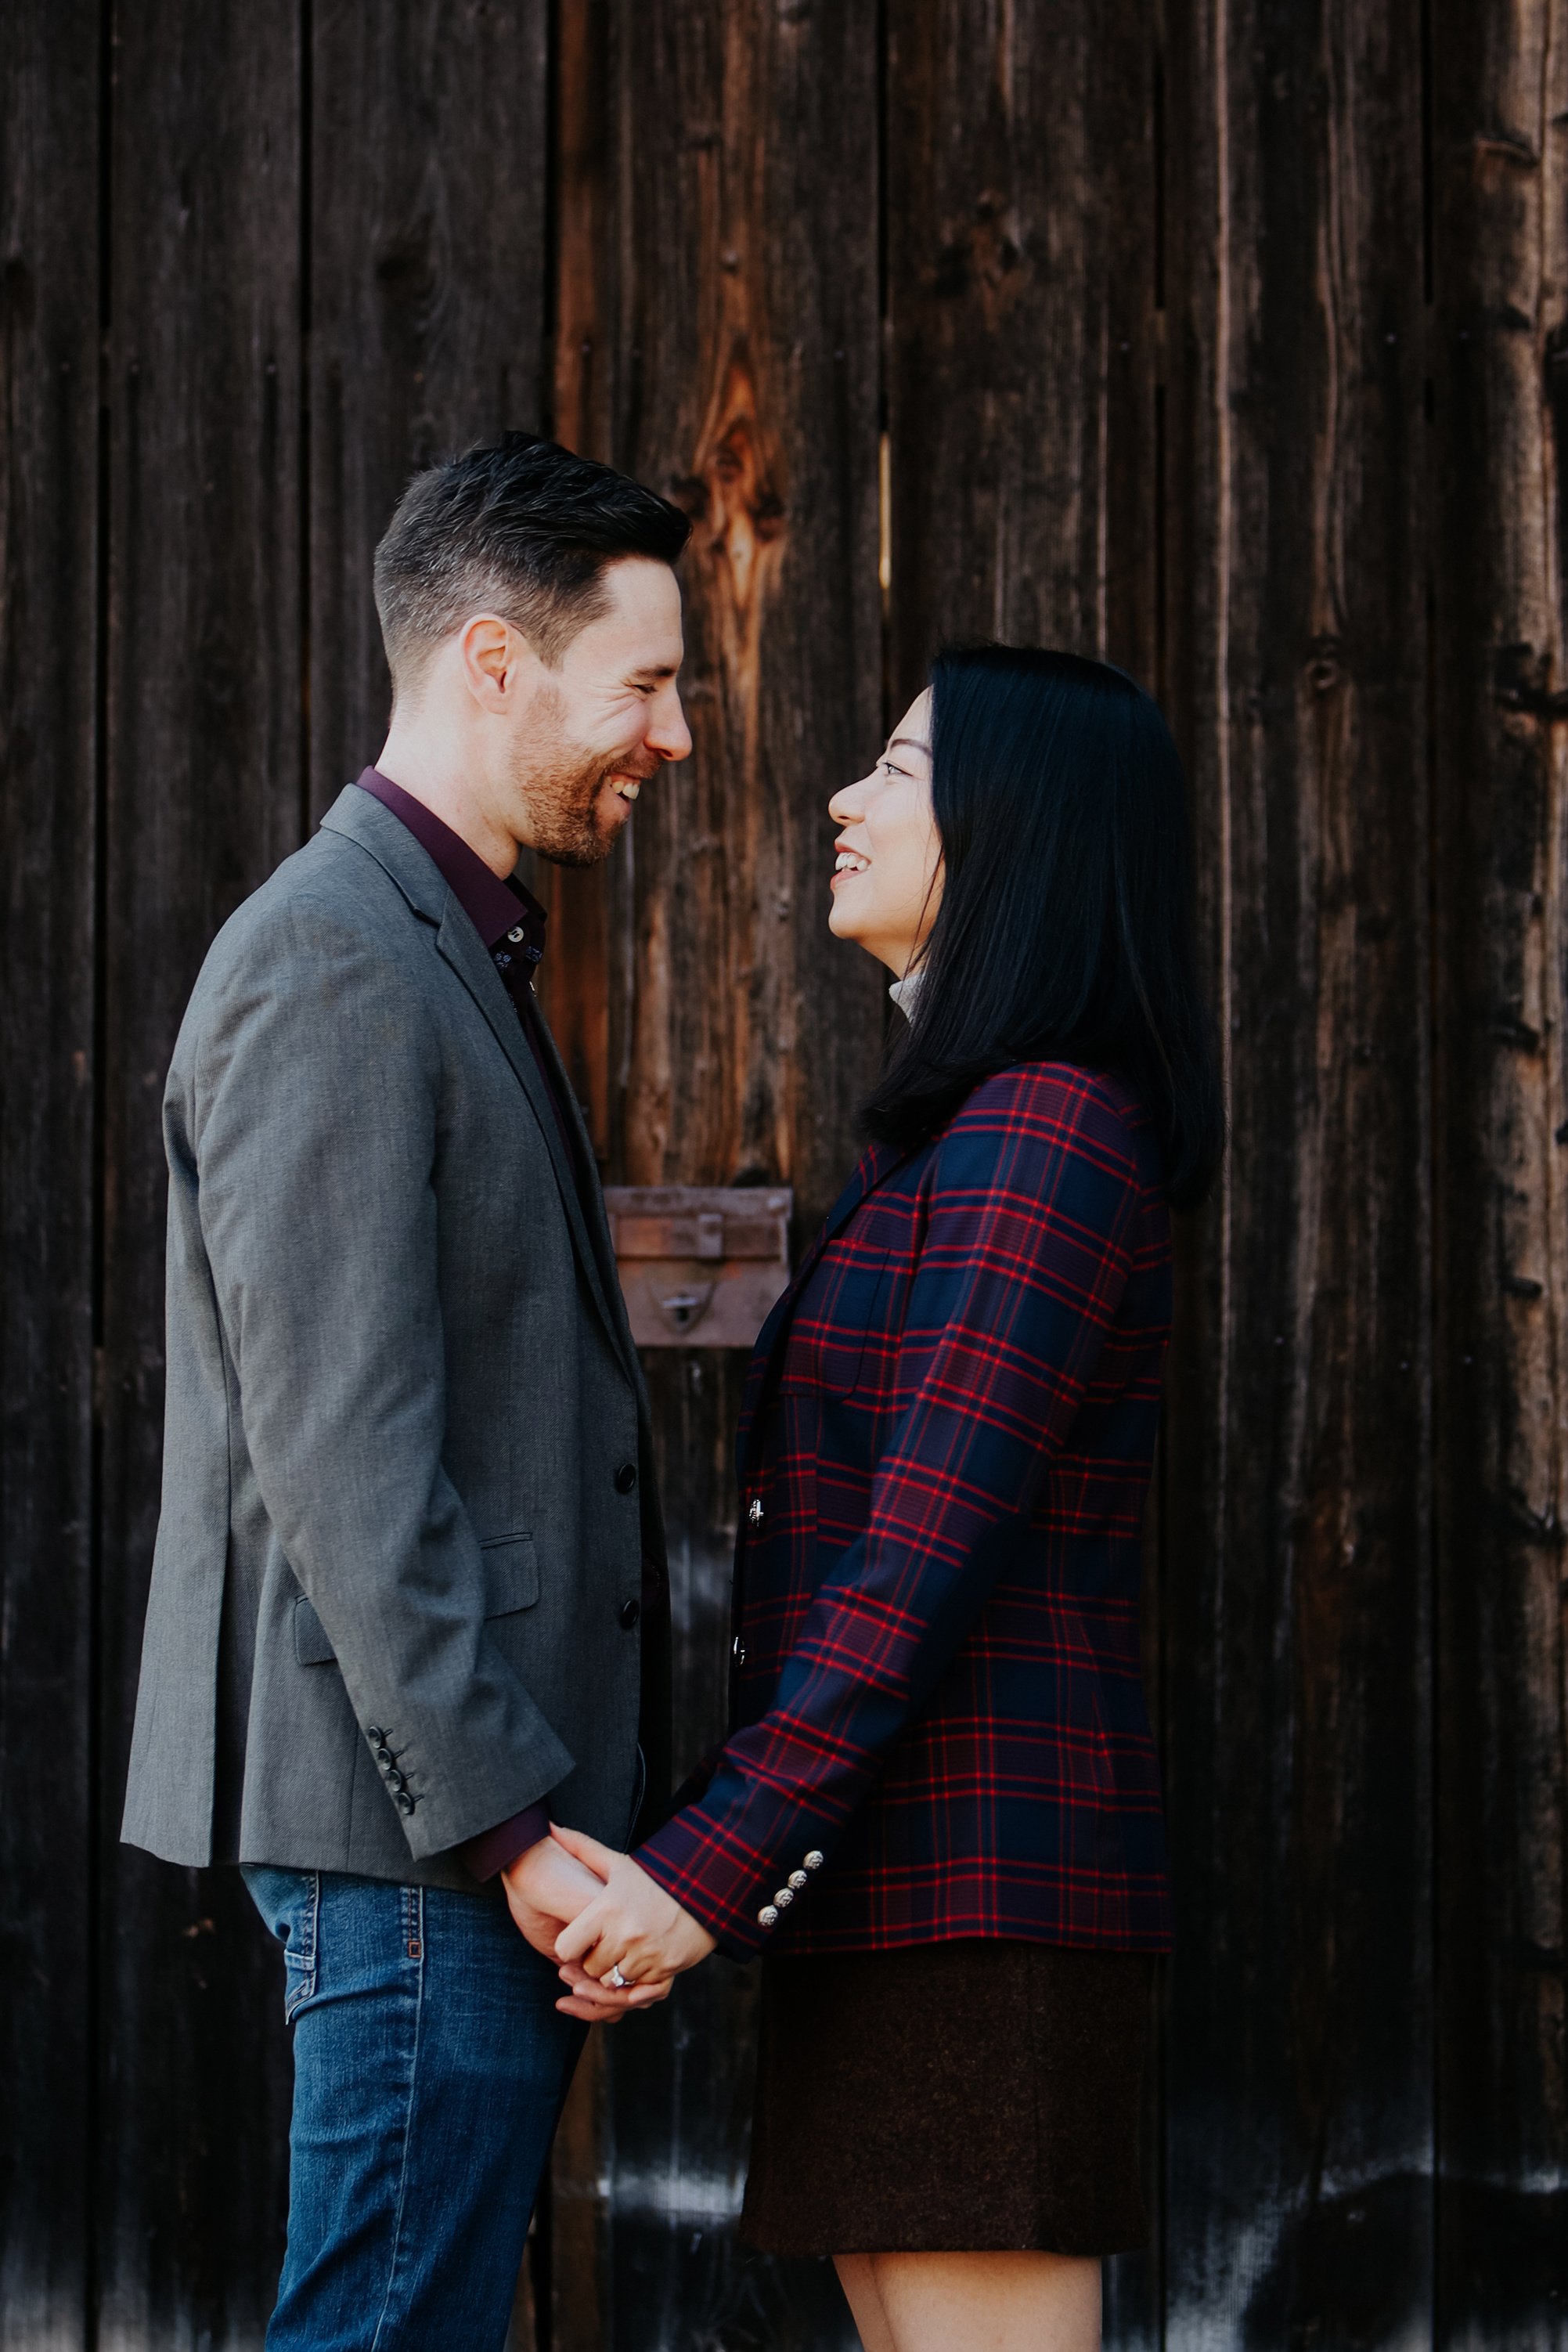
1323	667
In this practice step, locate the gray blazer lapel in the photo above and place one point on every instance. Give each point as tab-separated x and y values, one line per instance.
597	1224
391	843
464	950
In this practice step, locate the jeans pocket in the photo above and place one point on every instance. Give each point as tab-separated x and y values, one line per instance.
290	1902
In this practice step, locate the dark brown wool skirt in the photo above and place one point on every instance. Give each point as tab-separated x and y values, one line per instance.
958	2097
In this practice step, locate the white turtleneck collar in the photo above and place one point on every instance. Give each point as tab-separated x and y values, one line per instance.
904	992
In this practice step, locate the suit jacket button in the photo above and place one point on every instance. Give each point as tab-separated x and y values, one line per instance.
754	1513
738	1651
629	1612
406	1802
626	1477
767	1917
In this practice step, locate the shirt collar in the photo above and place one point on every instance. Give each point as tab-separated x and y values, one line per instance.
498	911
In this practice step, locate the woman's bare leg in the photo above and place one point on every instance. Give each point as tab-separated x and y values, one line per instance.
972	2302
858	2279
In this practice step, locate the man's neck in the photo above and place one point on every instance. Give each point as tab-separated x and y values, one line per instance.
428	774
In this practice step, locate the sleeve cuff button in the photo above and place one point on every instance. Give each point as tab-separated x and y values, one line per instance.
798	1879
767	1917
783	1898
814	1859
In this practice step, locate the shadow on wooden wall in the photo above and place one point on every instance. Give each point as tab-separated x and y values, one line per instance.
1225	340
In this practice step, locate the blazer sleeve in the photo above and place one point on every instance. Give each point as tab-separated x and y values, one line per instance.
313	1128
1035	1197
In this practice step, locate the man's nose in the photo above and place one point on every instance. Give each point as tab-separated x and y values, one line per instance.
668	733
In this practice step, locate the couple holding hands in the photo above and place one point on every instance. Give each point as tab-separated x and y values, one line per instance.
406	1654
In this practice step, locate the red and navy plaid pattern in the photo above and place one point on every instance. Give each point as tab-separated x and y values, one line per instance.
944	1451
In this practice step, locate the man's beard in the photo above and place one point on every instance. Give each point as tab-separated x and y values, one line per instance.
562	823
561	788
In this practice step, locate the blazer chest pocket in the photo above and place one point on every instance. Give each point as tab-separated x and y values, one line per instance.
851	1306
511	1583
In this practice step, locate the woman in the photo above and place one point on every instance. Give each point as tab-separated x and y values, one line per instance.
939	1816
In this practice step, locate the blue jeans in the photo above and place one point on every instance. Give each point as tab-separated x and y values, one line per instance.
430	2066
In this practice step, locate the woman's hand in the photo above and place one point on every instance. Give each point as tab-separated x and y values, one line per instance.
545	1889
633	1926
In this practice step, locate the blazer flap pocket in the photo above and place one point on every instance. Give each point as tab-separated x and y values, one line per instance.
511	1581
311	1647
511	1574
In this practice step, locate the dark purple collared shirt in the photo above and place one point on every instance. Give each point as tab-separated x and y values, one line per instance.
511	923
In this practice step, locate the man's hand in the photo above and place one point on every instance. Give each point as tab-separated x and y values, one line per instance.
546	1888
630	1925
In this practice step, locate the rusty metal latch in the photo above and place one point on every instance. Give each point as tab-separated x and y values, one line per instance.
700	1266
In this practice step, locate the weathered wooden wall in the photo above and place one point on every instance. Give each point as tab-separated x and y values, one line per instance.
1227	337
1298	1534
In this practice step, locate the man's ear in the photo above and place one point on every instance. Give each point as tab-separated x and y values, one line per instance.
494	655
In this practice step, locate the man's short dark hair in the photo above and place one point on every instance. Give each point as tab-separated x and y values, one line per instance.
521	528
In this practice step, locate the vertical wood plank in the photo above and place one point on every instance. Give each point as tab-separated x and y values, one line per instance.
574	982
427	299
1500	366
746	386
204	799
1023	284
1298	1639
49	136
1022	232
730	309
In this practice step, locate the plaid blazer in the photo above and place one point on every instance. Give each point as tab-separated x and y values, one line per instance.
945	1451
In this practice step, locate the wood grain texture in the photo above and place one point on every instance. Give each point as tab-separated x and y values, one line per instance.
1022	266
730	311
204	799
575	979
48	656
1298	1641
1023	349
1500	366
427	303
745	385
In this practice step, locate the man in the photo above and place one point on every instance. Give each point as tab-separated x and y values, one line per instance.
408	1599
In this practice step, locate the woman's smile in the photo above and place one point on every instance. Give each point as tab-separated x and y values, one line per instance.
892	807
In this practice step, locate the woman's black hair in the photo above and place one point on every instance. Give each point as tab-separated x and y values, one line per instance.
1065	928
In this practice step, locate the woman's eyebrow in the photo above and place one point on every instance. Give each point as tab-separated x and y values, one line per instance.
909	744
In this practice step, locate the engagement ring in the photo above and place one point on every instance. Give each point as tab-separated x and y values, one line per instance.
617	1979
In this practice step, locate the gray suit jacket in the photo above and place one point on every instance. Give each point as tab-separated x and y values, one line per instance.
407	1484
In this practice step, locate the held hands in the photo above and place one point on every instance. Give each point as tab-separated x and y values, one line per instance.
630	1925
546	1888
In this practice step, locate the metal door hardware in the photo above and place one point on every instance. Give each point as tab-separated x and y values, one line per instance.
700	1267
